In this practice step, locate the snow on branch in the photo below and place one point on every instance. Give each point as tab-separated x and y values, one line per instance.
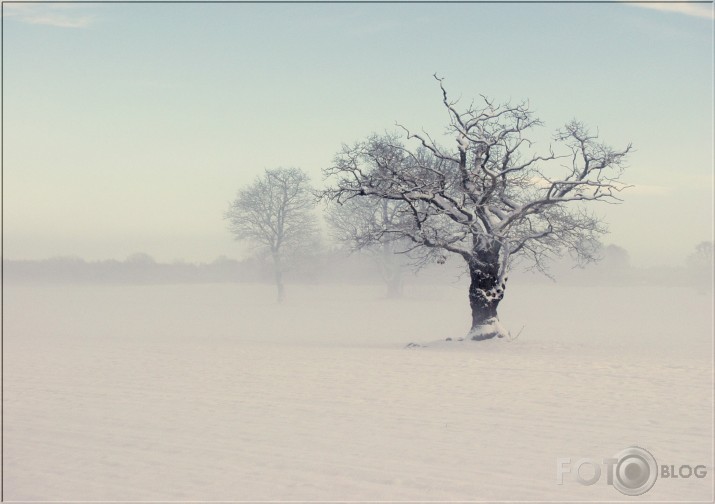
491	190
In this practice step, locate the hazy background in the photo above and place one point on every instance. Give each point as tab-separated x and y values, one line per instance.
129	128
144	355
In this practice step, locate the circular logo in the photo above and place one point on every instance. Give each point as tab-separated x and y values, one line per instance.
635	472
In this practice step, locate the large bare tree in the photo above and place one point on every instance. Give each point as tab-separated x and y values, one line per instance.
276	213
489	199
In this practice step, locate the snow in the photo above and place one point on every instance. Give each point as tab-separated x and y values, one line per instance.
492	326
213	392
463	142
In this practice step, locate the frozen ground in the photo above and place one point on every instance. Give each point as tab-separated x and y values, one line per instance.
215	393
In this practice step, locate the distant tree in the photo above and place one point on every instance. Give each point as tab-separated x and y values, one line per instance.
489	199
700	265
276	214
359	223
616	258
702	256
140	259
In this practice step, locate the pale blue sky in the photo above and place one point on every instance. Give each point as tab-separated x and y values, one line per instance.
130	127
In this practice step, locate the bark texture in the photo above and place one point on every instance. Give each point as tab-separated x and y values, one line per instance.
486	290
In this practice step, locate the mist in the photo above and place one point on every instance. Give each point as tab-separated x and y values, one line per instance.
357	252
147	381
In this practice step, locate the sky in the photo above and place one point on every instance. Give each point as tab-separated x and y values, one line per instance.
130	127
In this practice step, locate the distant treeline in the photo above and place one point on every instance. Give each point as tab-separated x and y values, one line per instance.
333	267
338	266
143	269
136	269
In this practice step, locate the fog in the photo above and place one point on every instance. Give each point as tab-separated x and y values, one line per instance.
184	319
331	265
212	391
144	380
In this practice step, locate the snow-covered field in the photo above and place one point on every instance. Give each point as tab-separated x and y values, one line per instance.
213	392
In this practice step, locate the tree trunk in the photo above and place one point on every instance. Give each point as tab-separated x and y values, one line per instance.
390	269
485	293
278	271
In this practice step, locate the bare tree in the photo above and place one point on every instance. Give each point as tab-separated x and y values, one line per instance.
491	198
702	257
700	266
360	224
276	213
